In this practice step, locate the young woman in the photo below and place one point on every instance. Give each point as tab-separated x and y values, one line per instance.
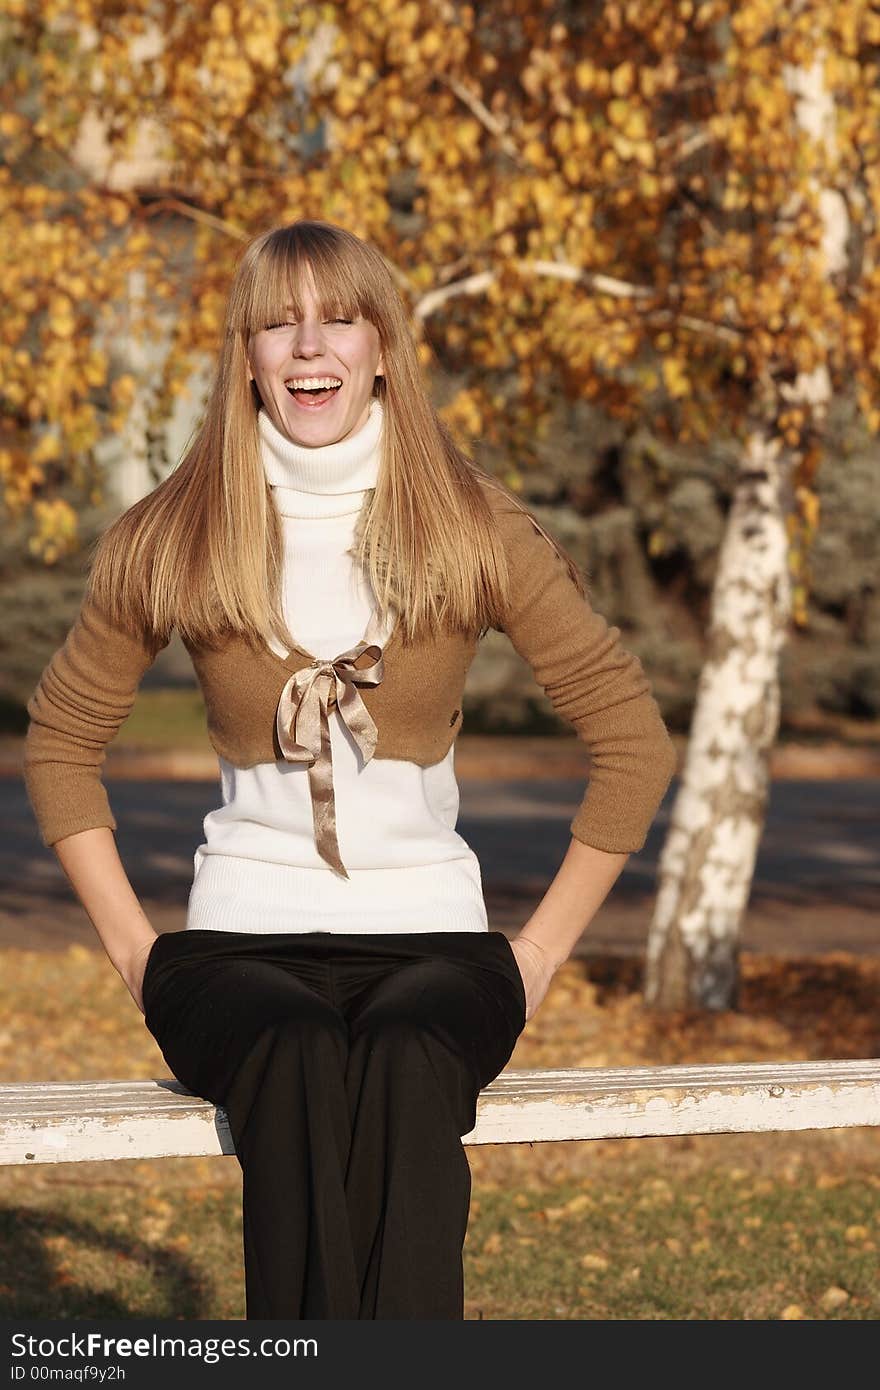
331	558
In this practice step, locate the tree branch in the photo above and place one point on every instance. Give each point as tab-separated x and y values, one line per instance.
434	299
560	270
195	214
483	115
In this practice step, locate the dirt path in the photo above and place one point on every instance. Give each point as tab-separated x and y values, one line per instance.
483	757
801	903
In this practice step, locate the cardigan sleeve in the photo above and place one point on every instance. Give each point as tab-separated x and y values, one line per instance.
84	694
593	682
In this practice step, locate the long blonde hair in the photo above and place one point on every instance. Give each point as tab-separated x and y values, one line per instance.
203	551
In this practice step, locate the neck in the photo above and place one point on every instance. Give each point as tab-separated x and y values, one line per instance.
344	470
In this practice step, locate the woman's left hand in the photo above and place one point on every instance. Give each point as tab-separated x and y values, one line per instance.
537	970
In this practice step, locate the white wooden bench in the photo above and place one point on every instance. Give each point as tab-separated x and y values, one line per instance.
72	1121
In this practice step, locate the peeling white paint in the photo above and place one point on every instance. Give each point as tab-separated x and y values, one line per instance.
71	1122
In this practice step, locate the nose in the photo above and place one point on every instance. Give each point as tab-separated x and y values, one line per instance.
308	340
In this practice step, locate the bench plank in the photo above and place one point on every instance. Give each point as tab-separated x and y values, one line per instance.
76	1121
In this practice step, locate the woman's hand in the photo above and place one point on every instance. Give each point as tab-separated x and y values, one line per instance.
133	970
537	970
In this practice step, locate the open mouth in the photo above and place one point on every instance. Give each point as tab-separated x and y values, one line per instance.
313	396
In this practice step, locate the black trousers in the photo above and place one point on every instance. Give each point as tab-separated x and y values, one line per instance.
349	1066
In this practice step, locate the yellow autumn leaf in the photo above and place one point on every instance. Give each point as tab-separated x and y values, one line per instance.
47	449
675	377
431	43
635	125
61	319
585	75
579	1203
623	78
554	1213
826	1182
12	124
856	1233
123	389
95	369
117	212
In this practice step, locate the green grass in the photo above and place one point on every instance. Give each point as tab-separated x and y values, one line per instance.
654	1248
102	1253
175	718
720	1243
160	719
166	719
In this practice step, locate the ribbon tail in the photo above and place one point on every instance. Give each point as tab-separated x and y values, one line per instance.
358	719
324	805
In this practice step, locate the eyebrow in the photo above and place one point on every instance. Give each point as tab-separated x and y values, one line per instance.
289	308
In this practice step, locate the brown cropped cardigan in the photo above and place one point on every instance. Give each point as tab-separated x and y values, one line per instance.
88	688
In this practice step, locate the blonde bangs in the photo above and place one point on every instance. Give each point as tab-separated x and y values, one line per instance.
281	268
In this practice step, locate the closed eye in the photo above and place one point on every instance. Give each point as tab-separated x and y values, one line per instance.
291	325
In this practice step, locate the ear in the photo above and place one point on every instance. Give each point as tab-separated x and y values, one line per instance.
380	366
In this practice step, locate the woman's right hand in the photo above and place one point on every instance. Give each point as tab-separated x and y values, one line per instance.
536	969
135	967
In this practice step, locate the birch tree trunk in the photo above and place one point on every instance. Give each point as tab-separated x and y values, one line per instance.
707	862
131	470
706	865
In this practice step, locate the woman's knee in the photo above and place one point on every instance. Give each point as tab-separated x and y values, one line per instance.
440	1012
413	996
207	1018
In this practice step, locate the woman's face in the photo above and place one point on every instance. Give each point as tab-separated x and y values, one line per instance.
316	351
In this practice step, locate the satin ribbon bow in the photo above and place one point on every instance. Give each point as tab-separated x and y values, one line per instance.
304	730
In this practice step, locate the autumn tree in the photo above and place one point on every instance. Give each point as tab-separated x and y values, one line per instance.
814	177
614	202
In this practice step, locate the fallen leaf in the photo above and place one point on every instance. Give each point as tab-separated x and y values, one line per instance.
853	1233
827	1181
555	1213
579	1203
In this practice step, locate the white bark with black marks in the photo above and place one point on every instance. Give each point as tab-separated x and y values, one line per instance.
706	865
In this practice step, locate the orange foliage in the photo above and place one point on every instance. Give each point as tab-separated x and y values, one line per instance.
633	186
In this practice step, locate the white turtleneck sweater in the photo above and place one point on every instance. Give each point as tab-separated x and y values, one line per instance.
258	869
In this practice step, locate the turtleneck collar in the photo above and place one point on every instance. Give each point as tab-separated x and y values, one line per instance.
329	480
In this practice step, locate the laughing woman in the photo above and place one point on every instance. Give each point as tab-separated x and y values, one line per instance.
330	559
